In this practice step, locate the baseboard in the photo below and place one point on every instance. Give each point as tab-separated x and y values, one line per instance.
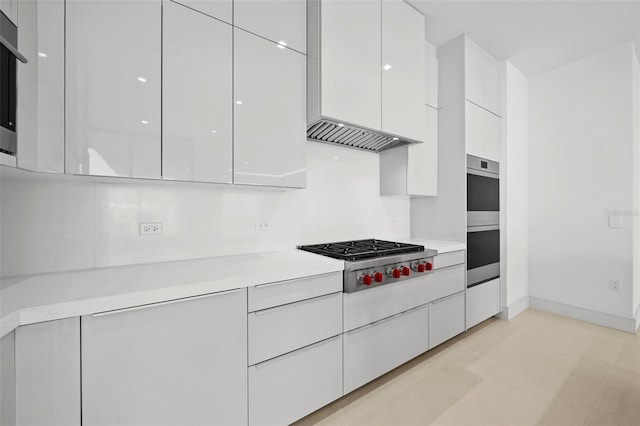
514	308
600	318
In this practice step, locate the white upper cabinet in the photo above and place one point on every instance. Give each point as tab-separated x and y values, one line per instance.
113	96
40	122
482	132
281	21
431	76
482	78
196	96
220	9
349	80
403	70
10	9
269	113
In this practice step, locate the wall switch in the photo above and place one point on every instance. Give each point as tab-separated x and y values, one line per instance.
615	221
262	225
614	285
154	228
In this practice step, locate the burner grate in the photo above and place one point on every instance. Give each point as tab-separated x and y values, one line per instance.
361	249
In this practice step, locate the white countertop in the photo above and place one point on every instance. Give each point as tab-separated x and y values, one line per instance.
36	298
30	299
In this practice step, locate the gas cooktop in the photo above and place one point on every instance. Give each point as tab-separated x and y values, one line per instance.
362	249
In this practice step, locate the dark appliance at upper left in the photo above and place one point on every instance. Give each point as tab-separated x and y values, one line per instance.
8	84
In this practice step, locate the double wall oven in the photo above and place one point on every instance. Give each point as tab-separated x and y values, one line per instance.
483	239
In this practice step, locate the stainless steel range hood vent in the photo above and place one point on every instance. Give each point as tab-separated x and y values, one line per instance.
351	136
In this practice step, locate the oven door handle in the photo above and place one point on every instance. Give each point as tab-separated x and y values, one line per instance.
13	50
483	228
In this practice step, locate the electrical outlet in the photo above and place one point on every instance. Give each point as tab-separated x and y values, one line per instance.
614	285
262	225
154	228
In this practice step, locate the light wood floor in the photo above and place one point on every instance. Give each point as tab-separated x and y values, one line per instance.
537	369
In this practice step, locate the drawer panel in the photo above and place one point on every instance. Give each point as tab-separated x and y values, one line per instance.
283	329
483	301
289	387
265	296
373	350
448	259
446	319
364	307
444	282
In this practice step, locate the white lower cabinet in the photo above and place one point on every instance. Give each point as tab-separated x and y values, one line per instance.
483	302
377	348
282	329
287	388
178	362
446	281
446	318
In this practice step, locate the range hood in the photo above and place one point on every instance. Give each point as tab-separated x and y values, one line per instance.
359	92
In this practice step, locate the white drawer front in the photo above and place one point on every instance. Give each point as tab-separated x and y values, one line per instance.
448	259
289	387
373	350
279	293
483	301
444	282
283	329
367	306
446	319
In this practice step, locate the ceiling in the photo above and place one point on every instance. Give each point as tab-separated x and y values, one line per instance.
534	35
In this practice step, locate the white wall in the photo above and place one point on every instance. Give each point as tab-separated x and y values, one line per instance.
636	187
53	222
514	168
580	167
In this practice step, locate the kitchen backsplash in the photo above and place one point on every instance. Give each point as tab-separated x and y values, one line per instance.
54	223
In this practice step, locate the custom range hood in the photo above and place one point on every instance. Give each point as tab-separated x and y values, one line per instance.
365	74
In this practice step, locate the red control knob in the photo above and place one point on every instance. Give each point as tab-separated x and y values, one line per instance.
420	267
377	277
406	271
429	266
395	273
365	279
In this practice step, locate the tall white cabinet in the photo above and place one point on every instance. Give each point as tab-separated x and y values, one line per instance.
197	76
179	362
113	83
269	113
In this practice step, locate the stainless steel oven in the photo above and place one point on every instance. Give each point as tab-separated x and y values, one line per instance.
8	84
483	220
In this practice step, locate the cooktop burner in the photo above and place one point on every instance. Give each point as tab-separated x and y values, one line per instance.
361	249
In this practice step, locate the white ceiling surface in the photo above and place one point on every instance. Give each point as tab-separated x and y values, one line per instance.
535	36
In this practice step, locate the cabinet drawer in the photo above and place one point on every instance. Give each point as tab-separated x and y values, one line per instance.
372	350
483	301
365	307
446	319
289	387
282	329
445	260
444	282
265	296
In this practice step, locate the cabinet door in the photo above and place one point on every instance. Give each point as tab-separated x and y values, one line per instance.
180	362
350	61
474	129
113	87
403	67
41	81
372	350
287	388
492	136
483	301
491	85
474	72
10	9
220	9
269	145
8	380
431	81
446	319
422	170
281	21
48	373
196	96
